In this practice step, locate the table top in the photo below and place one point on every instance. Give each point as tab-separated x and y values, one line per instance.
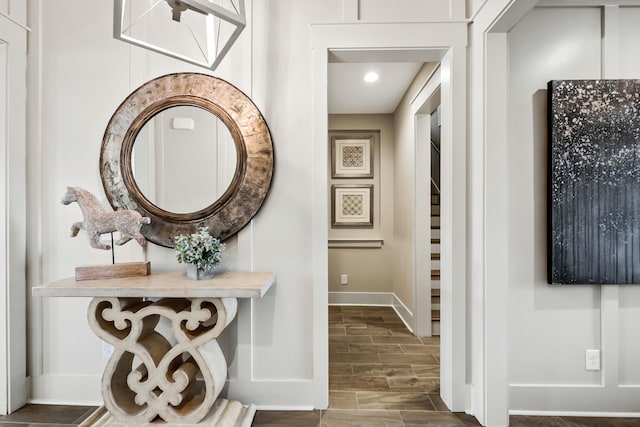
232	284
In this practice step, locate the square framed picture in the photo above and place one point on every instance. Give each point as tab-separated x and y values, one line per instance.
352	156
352	205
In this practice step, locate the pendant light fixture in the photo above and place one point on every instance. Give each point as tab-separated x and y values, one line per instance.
199	32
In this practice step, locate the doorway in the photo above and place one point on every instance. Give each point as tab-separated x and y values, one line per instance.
426	43
376	359
376	352
453	387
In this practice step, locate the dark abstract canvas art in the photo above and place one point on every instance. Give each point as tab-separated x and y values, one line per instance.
594	181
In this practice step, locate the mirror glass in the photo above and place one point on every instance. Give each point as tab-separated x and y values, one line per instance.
183	169
184	158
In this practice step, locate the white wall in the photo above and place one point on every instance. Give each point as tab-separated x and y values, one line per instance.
550	327
13	223
85	74
82	75
437	9
14	10
79	76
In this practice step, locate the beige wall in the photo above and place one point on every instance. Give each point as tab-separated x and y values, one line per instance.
368	269
389	269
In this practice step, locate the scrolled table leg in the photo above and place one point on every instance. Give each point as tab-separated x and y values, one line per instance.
149	379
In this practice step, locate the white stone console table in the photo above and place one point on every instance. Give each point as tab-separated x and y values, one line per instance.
152	379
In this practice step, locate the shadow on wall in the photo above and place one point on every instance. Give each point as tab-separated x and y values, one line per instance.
563	294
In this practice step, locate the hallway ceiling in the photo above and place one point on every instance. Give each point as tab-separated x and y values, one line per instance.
350	94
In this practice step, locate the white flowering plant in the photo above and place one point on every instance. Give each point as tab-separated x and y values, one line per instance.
201	249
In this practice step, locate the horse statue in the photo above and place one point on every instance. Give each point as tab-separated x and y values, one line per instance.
98	220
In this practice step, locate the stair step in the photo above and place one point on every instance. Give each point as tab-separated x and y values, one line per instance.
435	314
435	276
435	302
435	256
435	210
435	241
435	292
435	199
435	327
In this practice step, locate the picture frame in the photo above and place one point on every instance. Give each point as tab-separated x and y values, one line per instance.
593	182
352	156
352	205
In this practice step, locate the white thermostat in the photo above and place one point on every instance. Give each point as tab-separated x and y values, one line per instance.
182	123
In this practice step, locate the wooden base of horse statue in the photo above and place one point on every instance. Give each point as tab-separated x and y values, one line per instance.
113	271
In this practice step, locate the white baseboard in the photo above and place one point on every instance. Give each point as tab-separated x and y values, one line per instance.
282	395
66	390
405	314
284	408
385	299
577	414
588	400
361	298
266	395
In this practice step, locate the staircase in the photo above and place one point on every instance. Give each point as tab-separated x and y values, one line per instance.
435	220
435	264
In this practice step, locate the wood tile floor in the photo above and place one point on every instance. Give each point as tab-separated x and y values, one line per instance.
379	376
375	363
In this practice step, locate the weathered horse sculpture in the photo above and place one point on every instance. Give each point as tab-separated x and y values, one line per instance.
98	220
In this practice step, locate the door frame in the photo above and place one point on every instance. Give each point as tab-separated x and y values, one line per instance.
444	42
13	213
421	106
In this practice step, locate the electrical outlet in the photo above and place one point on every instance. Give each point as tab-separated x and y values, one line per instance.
107	350
344	279
592	360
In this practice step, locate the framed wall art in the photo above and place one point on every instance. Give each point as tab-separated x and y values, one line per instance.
352	205
594	182
352	156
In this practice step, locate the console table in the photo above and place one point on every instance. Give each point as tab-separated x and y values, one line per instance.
152	378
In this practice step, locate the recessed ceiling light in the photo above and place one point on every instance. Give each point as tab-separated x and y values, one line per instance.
371	77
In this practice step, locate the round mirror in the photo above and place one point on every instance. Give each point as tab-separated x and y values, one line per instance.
181	148
219	182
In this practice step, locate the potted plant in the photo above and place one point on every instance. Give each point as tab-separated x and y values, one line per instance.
200	251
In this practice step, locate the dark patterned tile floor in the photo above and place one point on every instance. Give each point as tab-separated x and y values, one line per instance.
379	376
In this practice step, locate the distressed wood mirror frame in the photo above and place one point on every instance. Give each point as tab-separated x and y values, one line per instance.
254	151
